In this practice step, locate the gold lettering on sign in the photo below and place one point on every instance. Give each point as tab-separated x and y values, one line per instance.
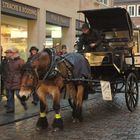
19	8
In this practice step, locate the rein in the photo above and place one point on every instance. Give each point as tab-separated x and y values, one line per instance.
53	70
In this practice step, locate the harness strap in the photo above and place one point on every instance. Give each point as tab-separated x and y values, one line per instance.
52	65
69	67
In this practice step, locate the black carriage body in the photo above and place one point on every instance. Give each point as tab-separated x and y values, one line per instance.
116	57
118	60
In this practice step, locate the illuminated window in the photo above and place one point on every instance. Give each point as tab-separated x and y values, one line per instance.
14	32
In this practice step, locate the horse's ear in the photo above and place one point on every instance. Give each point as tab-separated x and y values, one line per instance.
25	67
43	54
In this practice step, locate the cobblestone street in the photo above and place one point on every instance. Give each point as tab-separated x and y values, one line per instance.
70	62
102	121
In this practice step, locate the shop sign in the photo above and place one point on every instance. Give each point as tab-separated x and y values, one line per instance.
18	9
57	19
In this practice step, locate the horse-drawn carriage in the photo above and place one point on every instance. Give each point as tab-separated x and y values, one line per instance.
117	65
115	68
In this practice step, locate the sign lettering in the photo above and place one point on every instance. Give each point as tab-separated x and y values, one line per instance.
54	18
18	9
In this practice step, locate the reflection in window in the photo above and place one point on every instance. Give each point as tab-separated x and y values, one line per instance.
15	36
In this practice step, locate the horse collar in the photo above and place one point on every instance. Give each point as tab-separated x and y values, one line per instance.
52	72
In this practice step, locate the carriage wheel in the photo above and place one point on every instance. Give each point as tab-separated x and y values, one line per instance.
131	92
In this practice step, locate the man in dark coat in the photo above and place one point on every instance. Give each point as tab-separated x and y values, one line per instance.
89	40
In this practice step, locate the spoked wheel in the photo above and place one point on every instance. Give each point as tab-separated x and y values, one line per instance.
131	92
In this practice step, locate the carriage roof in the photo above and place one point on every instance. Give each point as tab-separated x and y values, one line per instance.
109	19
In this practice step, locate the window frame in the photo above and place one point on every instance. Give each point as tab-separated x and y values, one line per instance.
138	12
103	1
134	10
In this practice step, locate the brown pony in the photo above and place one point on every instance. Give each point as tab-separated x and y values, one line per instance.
48	74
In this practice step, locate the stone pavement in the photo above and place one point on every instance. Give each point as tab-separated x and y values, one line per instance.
20	113
102	121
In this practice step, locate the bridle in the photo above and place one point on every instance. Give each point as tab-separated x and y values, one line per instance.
32	74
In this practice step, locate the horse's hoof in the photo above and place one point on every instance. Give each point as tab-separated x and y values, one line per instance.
80	119
58	123
74	120
77	120
56	129
38	128
42	123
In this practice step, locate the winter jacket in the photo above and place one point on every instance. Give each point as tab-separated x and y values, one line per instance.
93	36
13	73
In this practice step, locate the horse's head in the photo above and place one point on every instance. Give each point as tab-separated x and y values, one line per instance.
32	72
40	61
29	80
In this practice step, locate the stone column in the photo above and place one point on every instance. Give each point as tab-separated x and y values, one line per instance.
36	30
68	35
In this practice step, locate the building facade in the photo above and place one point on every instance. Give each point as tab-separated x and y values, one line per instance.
133	7
43	23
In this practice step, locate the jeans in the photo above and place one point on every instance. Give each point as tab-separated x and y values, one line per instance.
11	100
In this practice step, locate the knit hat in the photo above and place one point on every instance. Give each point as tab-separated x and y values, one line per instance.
85	26
12	50
34	48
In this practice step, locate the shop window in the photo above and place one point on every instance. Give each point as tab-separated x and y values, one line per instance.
53	35
131	10
14	33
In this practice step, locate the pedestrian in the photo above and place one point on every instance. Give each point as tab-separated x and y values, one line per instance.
58	50
4	63
2	72
64	49
89	40
33	51
12	78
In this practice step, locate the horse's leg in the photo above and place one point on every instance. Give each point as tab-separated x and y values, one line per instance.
57	122
42	122
72	91
79	101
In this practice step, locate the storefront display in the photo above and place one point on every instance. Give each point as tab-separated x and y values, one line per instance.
14	34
